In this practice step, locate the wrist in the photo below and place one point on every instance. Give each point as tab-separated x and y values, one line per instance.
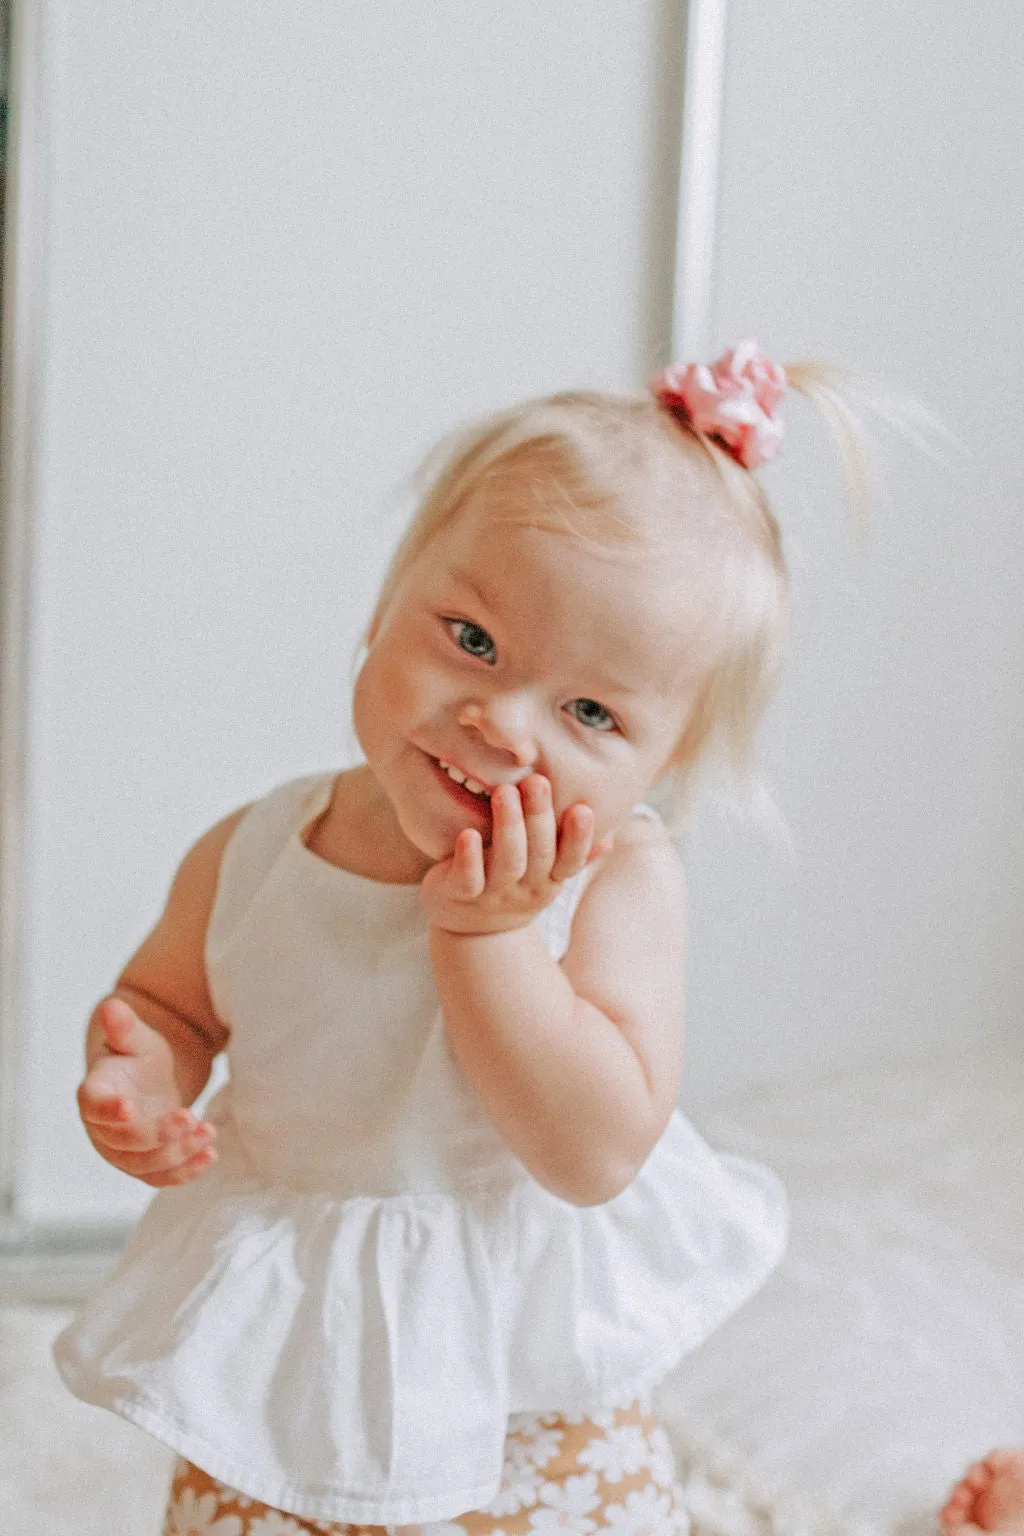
478	927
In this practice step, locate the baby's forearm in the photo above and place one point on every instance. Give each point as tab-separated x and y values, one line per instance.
558	1079
193	1056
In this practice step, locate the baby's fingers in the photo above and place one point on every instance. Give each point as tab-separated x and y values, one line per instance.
169	1163
113	1120
100	1107
113	1116
466	879
185	1172
509	846
574	842
541	828
150	1135
124	1032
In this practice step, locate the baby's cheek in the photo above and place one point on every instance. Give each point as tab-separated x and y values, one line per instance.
419	697
384	685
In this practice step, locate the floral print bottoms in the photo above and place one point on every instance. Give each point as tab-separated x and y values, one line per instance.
611	1471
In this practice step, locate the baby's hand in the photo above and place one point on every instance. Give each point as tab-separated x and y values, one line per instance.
478	891
131	1107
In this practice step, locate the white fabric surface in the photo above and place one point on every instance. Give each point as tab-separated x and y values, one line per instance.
338	1318
887	1350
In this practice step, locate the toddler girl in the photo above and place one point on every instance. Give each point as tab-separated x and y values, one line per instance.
444	1228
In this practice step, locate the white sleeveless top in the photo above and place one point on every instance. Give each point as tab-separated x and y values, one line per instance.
340	1315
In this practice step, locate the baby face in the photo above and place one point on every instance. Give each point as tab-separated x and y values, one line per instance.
509	649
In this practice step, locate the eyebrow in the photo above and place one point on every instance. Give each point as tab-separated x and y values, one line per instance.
610	686
465	580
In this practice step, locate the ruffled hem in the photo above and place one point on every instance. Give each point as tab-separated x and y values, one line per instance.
279	1495
359	1359
620	1292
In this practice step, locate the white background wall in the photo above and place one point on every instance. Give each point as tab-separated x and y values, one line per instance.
290	245
872	212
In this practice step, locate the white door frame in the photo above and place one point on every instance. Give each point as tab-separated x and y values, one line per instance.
36	1263
700	153
21	365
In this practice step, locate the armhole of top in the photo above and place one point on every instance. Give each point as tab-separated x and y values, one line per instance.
253	849
556	920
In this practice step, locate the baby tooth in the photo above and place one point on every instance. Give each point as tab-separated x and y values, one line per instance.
473	785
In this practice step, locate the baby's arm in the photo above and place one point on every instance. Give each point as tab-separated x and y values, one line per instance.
150	1045
578	1065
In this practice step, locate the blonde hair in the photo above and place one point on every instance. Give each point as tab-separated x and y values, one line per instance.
626	468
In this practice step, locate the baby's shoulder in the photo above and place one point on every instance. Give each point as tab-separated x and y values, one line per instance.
628	945
643	834
643	864
644	825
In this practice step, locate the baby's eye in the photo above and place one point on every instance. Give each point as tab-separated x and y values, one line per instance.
472	639
589	712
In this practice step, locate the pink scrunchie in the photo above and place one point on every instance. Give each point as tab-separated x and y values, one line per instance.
732	399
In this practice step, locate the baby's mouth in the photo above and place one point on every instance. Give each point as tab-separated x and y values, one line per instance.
473	785
458	788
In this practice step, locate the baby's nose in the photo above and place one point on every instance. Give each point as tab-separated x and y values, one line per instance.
503	725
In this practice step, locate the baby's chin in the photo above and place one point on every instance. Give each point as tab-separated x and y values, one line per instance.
442	846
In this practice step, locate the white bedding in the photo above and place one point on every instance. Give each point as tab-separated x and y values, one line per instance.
888	1350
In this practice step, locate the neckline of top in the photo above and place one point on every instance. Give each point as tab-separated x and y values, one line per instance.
319	804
